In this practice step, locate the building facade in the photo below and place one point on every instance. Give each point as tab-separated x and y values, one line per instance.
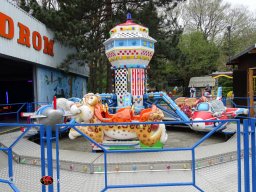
30	58
244	77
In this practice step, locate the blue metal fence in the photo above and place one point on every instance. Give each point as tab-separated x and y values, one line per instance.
17	108
9	152
12	109
233	102
192	149
249	155
46	138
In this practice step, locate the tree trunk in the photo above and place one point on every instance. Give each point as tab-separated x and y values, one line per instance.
109	71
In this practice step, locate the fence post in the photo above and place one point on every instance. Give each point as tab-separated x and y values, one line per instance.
29	107
57	157
42	145
49	154
246	157
253	155
10	165
238	131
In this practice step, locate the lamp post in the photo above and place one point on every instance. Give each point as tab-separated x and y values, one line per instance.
229	44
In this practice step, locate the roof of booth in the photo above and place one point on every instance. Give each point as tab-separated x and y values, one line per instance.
201	81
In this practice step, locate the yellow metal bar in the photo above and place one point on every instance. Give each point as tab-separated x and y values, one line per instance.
9	130
227	76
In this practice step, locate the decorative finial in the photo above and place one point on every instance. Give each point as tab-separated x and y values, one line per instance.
129	16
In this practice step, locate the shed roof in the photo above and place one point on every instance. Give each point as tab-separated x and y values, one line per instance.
235	59
202	81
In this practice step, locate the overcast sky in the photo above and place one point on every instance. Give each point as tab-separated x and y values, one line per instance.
250	4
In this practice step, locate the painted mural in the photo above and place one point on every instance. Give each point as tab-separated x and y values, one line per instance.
54	83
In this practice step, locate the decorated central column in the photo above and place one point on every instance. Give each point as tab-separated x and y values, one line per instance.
129	49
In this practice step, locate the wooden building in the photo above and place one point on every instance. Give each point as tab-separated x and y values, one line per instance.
244	82
200	83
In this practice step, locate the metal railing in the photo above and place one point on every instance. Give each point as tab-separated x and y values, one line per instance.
249	151
8	110
17	109
192	149
33	106
9	152
46	139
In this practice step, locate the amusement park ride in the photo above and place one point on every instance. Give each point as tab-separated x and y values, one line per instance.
213	110
129	49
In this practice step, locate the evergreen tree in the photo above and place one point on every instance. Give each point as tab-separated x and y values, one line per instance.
85	25
167	33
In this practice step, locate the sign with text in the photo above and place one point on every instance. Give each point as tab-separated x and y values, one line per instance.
26	37
23	37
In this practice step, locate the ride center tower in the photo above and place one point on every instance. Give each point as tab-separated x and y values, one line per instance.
129	50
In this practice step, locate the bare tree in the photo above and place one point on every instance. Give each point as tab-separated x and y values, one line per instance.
212	17
243	28
207	16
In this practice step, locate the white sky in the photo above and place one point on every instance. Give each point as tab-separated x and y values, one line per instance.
250	4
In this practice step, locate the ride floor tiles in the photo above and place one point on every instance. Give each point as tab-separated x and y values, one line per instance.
28	152
218	178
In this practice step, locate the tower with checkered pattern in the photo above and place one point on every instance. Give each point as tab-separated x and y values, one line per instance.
129	49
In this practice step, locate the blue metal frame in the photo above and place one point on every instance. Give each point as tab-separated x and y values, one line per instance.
106	151
156	97
239	106
246	157
46	141
239	177
16	112
42	145
253	148
161	96
8	150
249	135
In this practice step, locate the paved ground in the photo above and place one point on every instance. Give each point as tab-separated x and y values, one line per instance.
177	137
219	178
5	129
3	160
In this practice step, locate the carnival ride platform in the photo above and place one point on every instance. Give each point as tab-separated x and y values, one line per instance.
83	171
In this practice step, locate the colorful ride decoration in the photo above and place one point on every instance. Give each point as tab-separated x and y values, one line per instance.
51	114
129	49
188	104
148	134
207	109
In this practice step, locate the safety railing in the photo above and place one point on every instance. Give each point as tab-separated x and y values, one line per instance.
33	106
234	102
191	149
9	151
249	155
46	139
10	109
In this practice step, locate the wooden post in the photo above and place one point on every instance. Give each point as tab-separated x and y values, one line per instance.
250	93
